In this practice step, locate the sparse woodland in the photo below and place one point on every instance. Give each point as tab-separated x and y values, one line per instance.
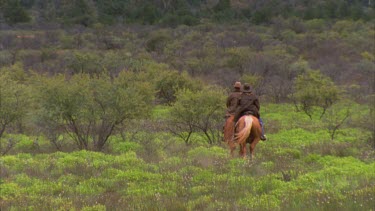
119	105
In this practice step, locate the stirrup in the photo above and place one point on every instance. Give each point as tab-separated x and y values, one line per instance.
263	137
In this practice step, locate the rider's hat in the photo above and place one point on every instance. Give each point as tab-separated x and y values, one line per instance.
237	85
246	88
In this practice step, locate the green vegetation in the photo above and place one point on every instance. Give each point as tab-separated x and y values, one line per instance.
88	108
13	100
295	169
198	112
313	90
268	56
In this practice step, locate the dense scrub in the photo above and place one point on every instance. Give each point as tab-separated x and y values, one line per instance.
270	56
177	12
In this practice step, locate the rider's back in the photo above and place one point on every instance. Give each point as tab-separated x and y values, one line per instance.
248	104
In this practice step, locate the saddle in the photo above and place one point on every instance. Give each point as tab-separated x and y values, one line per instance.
248	113
236	118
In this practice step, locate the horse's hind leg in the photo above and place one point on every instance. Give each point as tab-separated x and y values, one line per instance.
252	147
232	147
243	150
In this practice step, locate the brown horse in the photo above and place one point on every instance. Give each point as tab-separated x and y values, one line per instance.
246	130
229	129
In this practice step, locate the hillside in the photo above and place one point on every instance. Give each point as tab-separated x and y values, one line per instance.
335	37
177	12
219	54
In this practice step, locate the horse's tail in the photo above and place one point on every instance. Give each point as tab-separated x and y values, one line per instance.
244	133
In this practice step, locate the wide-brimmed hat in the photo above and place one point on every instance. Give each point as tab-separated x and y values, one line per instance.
246	88
237	85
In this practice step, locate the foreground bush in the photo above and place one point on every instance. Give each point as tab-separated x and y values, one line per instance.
205	179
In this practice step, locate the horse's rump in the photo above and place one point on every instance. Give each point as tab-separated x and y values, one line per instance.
243	129
246	130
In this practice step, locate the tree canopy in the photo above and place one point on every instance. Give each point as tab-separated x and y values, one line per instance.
314	90
90	108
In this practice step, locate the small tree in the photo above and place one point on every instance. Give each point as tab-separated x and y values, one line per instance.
255	81
335	117
314	92
239	58
85	63
169	82
89	109
77	12
14	12
13	100
200	111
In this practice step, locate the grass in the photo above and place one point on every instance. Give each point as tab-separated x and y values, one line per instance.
296	168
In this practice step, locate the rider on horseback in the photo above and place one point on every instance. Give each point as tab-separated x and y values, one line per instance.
249	104
232	100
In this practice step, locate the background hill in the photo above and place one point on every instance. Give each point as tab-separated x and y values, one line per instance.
275	52
176	12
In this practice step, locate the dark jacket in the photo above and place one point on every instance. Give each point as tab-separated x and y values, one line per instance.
232	102
247	104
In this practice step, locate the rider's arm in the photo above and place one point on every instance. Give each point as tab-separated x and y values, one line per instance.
228	101
257	104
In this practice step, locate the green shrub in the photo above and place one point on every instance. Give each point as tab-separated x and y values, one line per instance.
292	154
171	164
157	41
160	112
98	207
207	157
268	165
9	191
286	116
260	202
5	58
125	147
200	203
298	138
24	144
16	163
68	182
93	186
